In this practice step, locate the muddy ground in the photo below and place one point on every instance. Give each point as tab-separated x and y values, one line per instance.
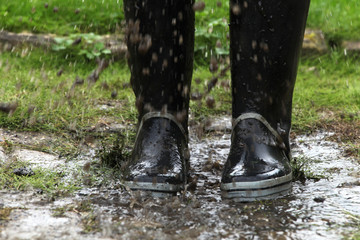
326	205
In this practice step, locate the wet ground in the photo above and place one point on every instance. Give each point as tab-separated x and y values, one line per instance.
324	207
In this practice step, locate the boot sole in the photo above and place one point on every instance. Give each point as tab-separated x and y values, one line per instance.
156	189
257	190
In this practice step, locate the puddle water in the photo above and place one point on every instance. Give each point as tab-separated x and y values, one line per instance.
315	209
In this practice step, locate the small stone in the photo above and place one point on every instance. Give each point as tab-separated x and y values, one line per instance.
319	199
77	41
3	156
195	96
39	191
114	94
24	171
8	107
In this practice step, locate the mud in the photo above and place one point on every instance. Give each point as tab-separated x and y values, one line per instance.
325	207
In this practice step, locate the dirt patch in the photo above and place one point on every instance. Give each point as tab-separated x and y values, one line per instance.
347	134
345	128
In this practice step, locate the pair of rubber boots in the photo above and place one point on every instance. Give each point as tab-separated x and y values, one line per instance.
265	42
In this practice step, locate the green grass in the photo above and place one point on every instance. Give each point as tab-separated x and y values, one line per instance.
32	81
325	83
329	83
50	182
96	16
338	19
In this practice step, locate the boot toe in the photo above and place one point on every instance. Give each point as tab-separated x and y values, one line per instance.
159	159
255	170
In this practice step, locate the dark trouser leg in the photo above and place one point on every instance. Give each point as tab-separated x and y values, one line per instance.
161	45
266	38
160	39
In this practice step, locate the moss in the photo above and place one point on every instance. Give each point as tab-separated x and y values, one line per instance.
4	214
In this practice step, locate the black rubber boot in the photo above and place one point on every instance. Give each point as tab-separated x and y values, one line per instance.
160	40
266	38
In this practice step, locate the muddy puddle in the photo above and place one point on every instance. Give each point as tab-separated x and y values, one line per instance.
325	207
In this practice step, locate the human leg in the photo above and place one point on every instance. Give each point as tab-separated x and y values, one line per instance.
265	42
160	40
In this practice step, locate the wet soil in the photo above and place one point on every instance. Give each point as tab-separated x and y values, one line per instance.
325	206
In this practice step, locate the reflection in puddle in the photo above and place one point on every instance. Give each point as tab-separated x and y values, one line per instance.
316	209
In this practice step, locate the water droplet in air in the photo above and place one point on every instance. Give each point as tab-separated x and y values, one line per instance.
199	6
213	65
236	9
210	101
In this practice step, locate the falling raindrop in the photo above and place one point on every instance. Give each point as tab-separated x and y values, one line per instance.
145	44
212	84
210	102
235	9
154	57
213	65
60	72
181	40
253	44
79	81
165	63
199	6
114	94
218	44
146	71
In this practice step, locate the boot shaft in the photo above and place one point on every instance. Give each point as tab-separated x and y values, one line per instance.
265	42
160	40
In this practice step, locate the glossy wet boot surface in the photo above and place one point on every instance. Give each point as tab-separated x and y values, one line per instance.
160	41
257	166
265	43
160	157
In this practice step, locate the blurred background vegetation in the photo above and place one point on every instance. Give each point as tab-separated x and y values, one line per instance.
337	19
